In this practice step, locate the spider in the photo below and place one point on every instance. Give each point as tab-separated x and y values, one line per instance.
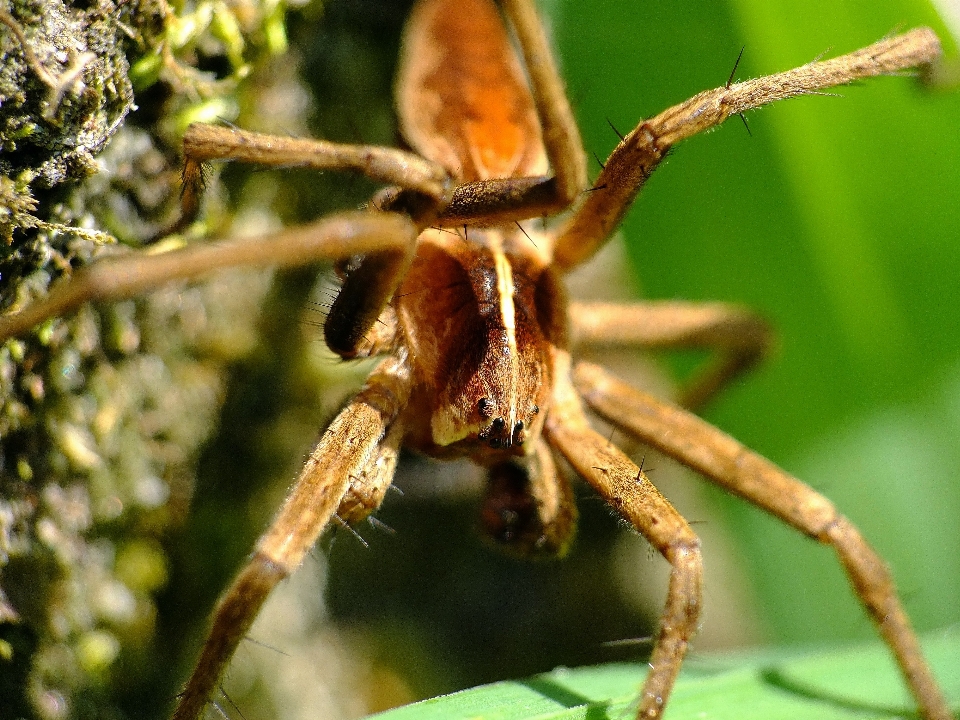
446	280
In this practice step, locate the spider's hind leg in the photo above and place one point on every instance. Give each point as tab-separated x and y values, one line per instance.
203	142
721	459
739	337
390	238
561	136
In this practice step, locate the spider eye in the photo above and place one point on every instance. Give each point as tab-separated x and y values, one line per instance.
497	434
485	407
518	435
535	410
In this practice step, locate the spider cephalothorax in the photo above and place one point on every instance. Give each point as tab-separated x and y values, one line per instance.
479	312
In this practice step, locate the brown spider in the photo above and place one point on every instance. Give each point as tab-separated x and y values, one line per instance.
468	309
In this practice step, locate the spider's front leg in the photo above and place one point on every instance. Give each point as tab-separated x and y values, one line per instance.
390	237
642	150
628	490
721	459
347	474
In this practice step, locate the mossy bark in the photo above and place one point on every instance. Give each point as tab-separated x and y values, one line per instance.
103	414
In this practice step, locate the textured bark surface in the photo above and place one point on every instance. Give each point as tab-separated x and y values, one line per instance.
103	413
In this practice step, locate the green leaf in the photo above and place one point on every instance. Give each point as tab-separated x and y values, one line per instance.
858	682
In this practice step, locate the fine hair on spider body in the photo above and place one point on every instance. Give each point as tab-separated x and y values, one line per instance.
482	365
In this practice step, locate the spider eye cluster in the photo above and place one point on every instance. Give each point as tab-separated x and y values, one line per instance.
498	434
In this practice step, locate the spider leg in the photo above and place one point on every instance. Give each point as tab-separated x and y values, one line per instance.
640	152
388	237
739	337
726	462
203	142
628	490
349	449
